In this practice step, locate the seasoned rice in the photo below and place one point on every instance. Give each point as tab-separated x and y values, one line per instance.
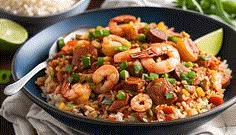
140	94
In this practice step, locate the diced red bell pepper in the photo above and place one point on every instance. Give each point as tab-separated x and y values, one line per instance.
168	110
216	100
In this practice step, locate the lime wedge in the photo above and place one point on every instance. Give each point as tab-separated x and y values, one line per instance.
211	42
12	35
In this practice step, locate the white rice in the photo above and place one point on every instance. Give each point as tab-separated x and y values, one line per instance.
36	7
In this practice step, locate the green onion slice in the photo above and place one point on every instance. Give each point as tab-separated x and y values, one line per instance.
100	61
86	61
120	95
169	95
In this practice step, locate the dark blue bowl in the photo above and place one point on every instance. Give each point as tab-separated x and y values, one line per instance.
36	50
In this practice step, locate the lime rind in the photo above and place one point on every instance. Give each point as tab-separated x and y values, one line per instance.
211	42
12	32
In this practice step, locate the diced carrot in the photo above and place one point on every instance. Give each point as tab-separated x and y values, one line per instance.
216	100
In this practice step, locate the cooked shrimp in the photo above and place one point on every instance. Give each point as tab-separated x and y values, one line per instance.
118	29
141	102
162	66
110	42
79	92
121	56
107	72
216	79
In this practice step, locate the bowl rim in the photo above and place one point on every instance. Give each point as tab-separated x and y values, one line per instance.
85	119
79	2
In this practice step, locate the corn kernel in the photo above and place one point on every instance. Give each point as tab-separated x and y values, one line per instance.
200	92
186	93
162	26
62	106
107	58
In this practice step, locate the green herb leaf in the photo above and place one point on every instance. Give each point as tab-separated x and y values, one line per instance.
90	35
75	77
169	95
63	56
138	68
106	101
69	68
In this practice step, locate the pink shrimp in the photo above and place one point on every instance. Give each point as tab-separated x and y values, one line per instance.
110	42
107	72
141	102
117	29
121	56
161	66
79	92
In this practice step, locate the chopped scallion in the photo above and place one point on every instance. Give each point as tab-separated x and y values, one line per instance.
86	61
124	74
123	65
100	61
121	48
153	76
171	80
70	105
120	95
60	43
145	76
101	33
142	38
173	38
191	74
